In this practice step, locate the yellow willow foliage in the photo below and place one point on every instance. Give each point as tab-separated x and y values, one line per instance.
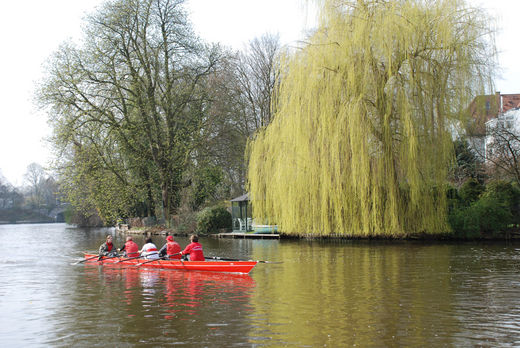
361	139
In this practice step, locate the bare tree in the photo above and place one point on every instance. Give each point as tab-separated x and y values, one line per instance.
503	151
257	74
241	93
35	178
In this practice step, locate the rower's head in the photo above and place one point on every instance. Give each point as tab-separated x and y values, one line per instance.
194	238
128	238
169	238
109	239
148	240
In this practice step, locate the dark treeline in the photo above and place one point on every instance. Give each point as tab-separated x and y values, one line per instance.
37	200
150	121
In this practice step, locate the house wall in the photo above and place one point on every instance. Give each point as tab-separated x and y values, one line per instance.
487	107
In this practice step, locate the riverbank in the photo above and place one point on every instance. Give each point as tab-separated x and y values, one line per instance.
28	222
512	234
23	216
495	236
151	231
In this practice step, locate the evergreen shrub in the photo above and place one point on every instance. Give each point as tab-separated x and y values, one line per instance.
508	194
470	191
212	219
484	211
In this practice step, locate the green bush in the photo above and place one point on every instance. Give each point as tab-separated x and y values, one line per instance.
465	222
470	191
484	217
494	216
508	195
453	199
211	219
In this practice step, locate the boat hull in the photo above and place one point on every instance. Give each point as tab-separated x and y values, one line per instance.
208	266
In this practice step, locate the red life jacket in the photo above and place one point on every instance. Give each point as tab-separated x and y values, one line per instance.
173	248
109	246
195	251
131	248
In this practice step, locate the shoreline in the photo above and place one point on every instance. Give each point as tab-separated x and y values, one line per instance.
502	236
29	222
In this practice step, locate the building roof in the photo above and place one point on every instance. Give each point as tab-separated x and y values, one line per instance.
510	101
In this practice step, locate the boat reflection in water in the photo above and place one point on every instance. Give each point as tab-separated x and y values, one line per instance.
186	291
178	294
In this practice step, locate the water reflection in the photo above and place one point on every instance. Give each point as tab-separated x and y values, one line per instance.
159	306
373	294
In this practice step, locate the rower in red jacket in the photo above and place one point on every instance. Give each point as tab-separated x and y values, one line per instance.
172	249
194	249
131	248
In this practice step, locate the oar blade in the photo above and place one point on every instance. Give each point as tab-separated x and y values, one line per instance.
218	258
273	262
84	260
149	261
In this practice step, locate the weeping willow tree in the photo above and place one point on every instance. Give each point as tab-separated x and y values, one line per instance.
361	140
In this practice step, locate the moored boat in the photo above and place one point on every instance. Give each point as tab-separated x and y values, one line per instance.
265	228
211	266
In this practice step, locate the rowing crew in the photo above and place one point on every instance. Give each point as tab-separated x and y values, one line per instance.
170	250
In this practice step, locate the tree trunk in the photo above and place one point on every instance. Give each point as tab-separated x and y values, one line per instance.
166	204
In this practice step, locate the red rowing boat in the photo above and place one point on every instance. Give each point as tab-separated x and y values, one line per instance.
211	266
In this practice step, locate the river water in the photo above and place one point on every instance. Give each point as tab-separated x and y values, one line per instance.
324	294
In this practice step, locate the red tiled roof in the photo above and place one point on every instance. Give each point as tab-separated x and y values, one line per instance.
510	101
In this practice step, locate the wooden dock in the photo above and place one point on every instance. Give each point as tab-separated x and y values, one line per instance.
248	235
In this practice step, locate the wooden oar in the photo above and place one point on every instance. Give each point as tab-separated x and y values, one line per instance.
165	257
130	258
103	258
136	257
226	259
85	260
143	263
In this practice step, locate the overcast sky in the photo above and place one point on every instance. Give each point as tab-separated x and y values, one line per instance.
31	30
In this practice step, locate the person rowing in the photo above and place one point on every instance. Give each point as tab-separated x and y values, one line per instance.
149	250
194	249
171	249
130	248
107	248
